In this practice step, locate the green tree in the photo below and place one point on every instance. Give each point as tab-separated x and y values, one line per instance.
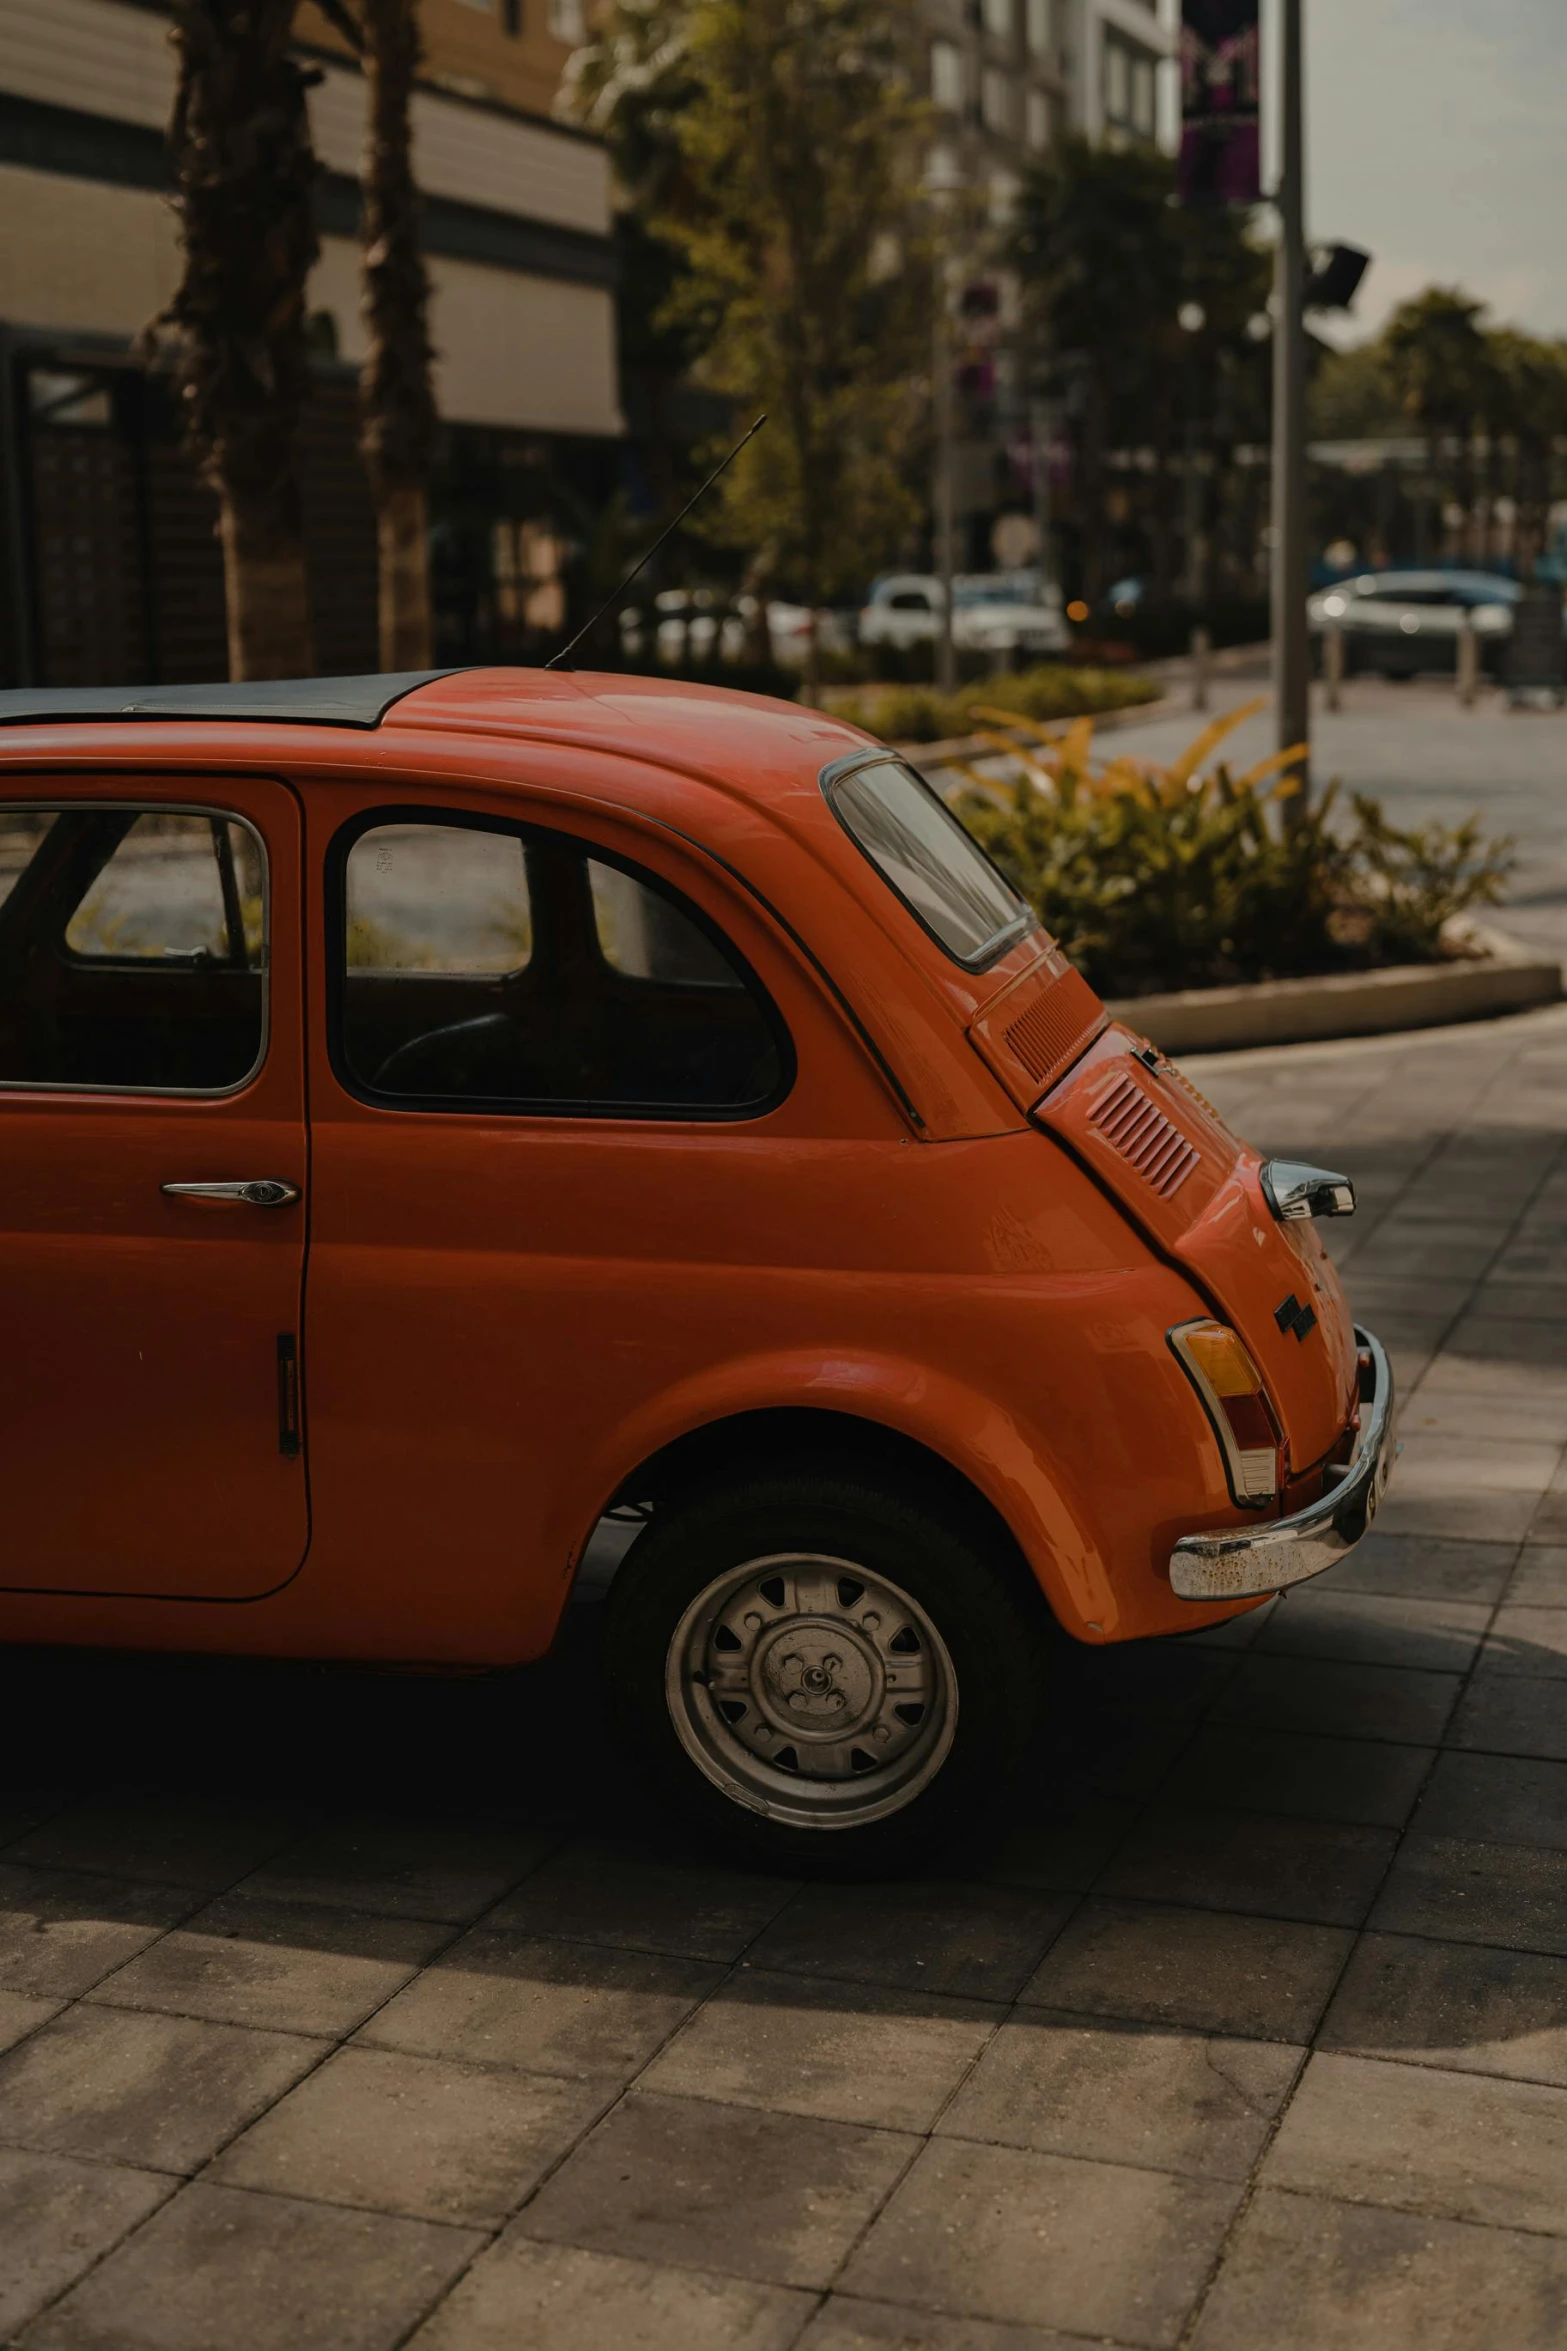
807	276
629	85
244	176
1107	261
1352	397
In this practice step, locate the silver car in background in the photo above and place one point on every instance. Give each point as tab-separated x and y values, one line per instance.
1396	623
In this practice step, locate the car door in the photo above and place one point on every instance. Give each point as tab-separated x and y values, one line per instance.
570	1113
152	1186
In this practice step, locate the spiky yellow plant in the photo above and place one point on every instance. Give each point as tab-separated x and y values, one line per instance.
1060	760
1182	874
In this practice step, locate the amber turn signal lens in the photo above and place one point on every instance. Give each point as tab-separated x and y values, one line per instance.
1215	1360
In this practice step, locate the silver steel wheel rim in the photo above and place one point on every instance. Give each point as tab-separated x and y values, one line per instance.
812	1690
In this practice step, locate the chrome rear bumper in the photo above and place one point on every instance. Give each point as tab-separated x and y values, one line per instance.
1234	1563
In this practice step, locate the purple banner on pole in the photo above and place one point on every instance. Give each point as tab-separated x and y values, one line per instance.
1221	151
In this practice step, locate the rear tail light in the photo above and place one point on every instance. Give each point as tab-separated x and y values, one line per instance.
1235	1400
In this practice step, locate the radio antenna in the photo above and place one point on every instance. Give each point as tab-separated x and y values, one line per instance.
557	660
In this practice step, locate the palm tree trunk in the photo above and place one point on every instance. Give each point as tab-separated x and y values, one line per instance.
403	542
396	396
244	171
264	586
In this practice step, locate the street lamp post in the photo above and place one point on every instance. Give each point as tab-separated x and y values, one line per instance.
1291	644
1192	318
943	187
945	499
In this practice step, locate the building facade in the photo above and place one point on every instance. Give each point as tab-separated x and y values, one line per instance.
110	566
1119	48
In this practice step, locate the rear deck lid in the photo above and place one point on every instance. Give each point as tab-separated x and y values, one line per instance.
1153	1141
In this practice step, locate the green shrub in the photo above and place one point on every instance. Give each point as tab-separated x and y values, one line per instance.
1187	876
919	714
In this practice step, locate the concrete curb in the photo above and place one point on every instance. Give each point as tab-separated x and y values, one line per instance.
1504	978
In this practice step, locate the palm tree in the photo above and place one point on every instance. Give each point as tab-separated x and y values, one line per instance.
1527	405
1438	363
397	399
239	143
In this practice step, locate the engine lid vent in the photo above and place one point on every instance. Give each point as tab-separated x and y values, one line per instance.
1146	1137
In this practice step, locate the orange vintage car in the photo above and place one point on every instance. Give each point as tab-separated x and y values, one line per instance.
440	1114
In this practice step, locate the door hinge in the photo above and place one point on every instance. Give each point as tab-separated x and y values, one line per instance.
287	1394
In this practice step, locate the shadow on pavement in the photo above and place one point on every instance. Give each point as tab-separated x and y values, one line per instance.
1208	1824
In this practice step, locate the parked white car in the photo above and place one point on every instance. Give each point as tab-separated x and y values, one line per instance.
999	613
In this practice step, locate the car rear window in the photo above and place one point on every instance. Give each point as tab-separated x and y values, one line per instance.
939	871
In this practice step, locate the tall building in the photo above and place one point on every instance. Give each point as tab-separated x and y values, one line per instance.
109	569
1006	79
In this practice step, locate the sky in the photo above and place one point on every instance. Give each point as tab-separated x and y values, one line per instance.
1436	137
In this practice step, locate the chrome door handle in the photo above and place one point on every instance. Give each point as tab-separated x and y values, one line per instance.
252	1191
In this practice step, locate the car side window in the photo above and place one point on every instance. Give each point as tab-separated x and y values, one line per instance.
483	964
132	949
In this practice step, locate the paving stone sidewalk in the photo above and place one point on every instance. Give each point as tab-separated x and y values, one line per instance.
347	2012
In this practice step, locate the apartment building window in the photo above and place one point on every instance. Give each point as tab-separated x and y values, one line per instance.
568	21
1144	96
995	100
1130	88
998	18
1037	27
946	76
1036	121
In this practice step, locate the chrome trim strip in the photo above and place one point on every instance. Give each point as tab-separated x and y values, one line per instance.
1242	1563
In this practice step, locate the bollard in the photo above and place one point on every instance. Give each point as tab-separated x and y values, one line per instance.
1201	645
1468	663
1333	664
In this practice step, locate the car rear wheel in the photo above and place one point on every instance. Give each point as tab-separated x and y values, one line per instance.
824	1670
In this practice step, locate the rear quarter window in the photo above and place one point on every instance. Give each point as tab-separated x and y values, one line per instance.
923	854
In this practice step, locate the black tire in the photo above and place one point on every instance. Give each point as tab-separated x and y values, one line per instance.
790	1532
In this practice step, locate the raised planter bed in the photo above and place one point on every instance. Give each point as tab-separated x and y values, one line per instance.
1505	977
